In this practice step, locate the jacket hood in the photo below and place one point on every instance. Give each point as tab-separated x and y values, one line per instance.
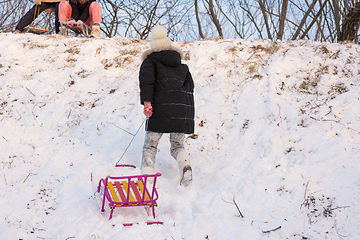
170	57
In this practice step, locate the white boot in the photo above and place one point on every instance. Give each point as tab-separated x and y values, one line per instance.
148	171
95	32
183	160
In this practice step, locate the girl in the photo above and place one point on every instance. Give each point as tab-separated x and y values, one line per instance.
166	90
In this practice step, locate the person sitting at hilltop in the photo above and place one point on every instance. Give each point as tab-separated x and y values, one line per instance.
81	11
40	6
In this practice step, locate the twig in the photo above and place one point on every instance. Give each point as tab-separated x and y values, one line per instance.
272	230
338	208
19	115
330	120
314	118
32	111
329	111
336	121
240	214
337	231
28	176
307	184
250	56
121	128
30	91
276	117
5	179
279	112
304	203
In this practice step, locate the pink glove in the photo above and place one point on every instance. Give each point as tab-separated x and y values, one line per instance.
148	109
70	24
79	23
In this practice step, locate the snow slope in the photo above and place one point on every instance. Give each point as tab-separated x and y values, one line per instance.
275	154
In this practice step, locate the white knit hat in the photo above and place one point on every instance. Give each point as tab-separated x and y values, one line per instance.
159	39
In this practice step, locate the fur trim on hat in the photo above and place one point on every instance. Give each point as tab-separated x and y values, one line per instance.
159	39
158	32
160	44
149	51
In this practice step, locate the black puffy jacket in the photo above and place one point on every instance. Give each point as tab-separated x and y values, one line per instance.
80	9
169	86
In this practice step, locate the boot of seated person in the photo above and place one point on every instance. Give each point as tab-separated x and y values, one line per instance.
95	31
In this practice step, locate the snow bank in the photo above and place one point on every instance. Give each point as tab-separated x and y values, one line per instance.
275	153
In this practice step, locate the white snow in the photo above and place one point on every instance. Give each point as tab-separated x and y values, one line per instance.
277	133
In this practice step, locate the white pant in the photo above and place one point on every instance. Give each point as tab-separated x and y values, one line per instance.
151	142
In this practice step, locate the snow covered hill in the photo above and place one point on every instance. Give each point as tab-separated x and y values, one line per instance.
275	154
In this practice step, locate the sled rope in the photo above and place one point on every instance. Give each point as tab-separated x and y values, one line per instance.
35	16
131	142
146	127
37	9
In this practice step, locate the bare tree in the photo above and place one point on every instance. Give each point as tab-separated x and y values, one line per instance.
211	11
111	20
10	13
319	20
135	18
337	15
350	24
282	19
263	11
198	20
303	20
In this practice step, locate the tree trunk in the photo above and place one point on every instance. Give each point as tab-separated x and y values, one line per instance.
282	19
350	24
263	10
337	15
304	19
198	20
314	20
214	18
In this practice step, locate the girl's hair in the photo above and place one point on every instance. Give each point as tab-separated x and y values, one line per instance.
80	1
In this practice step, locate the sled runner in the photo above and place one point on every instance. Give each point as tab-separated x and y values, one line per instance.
35	30
129	191
83	29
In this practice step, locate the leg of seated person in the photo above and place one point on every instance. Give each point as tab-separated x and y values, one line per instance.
57	22
29	16
64	12
94	14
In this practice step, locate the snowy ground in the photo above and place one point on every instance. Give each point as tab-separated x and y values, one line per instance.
275	154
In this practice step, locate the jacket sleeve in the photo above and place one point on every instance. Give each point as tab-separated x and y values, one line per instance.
147	80
189	81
